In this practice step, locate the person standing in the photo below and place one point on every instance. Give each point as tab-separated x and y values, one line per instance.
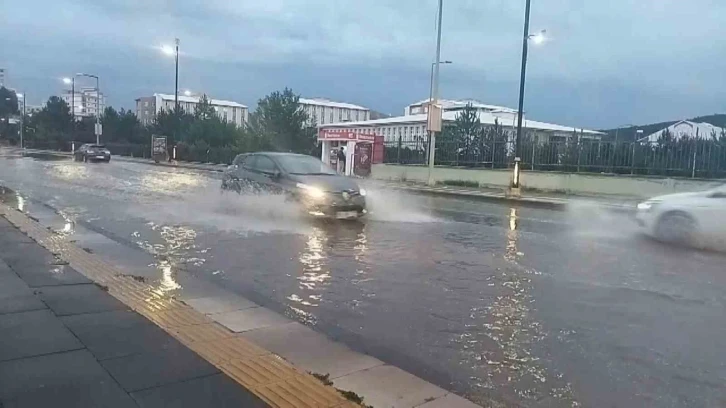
341	160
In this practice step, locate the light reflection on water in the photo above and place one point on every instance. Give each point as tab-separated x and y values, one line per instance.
316	275
499	340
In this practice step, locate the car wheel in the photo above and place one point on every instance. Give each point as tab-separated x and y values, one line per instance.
676	228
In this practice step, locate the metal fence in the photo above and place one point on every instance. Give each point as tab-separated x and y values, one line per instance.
699	158
695	158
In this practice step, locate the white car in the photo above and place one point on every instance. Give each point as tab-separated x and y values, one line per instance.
686	218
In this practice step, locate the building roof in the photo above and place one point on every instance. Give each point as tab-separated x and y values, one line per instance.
195	99
329	103
461	103
486	118
686	128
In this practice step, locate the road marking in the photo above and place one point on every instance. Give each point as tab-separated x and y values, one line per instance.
265	374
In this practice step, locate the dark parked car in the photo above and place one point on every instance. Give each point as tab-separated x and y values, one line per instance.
305	179
92	152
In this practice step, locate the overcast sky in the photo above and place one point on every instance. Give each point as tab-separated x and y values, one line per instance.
606	63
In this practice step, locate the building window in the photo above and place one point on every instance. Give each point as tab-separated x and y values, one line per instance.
340	115
146	104
332	116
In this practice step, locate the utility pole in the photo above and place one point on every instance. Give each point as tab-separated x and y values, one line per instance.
522	79
435	95
176	88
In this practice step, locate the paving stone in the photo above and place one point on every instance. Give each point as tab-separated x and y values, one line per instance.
72	379
249	319
19	304
76	299
388	386
118	334
214	305
11	285
218	391
19	254
157	368
33	333
311	351
49	275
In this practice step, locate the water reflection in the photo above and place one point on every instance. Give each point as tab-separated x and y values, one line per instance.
326	242
172	254
512	236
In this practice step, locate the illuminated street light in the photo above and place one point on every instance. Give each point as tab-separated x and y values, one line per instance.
98	105
67	81
187	93
539	38
169	50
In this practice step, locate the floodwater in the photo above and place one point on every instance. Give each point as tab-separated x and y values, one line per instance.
507	306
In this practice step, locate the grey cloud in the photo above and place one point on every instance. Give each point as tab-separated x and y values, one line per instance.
379	51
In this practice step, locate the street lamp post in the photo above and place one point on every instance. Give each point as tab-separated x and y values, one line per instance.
72	83
22	120
174	51
435	94
98	105
538	39
431	93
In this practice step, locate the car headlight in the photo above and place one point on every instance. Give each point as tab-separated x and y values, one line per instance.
646	205
362	192
311	191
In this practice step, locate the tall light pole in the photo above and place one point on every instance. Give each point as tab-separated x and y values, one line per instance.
431	92
98	105
72	82
22	119
174	51
435	95
538	39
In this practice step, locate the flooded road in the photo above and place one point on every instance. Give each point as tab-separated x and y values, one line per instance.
507	306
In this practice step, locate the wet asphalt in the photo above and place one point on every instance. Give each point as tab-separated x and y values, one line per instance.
507	306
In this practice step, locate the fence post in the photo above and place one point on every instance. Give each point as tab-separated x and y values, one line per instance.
399	149
632	161
695	150
579	153
534	146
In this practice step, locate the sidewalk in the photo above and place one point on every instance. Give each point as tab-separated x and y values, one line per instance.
66	342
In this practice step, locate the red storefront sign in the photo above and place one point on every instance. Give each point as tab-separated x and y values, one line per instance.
345	135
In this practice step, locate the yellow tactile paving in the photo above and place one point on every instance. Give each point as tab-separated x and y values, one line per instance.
270	377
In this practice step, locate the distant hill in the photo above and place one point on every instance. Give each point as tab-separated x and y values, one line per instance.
629	133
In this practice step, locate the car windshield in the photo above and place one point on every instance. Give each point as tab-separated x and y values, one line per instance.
96	146
304	165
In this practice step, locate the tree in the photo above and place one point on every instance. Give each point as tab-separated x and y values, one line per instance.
281	121
8	111
53	125
204	110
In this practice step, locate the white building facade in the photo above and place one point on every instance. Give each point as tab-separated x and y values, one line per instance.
323	111
85	102
149	106
411	128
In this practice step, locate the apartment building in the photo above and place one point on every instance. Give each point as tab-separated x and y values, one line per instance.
147	107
